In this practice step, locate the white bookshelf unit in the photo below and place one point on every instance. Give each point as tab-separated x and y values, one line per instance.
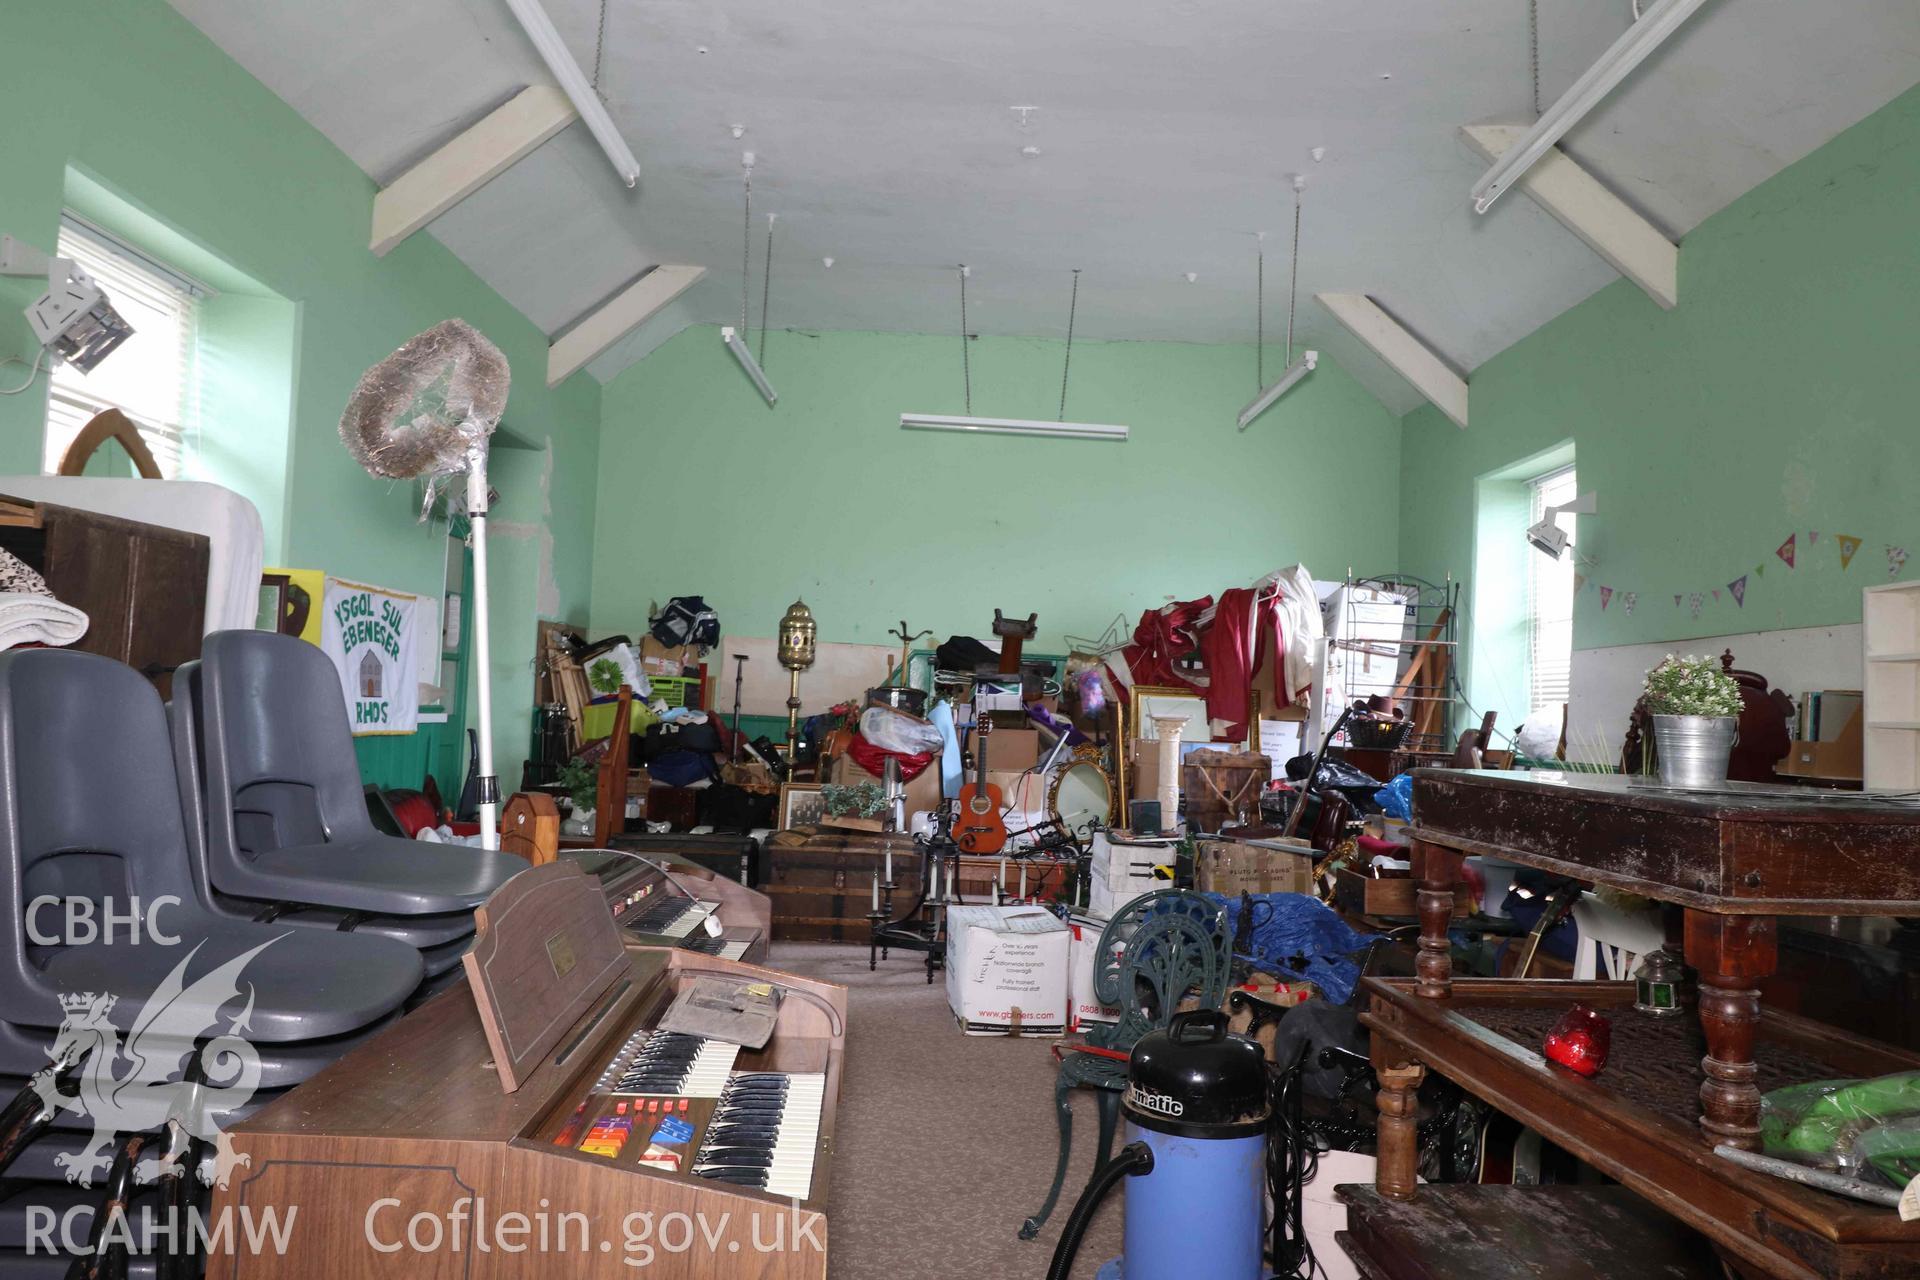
1891	693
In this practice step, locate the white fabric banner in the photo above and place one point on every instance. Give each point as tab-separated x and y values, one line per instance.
369	633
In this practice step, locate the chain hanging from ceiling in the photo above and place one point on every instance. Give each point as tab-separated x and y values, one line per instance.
1260	311
1073	309
746	243
1533	51
1293	269
766	287
1260	293
966	366
599	51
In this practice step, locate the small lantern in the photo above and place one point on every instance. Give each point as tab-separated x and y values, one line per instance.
1657	984
797	630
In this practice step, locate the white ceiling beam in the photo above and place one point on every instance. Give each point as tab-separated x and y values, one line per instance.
468	163
630	308
1409	357
1636	43
1556	182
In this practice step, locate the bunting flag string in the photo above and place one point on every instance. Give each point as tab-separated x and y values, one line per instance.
1788	552
1579	583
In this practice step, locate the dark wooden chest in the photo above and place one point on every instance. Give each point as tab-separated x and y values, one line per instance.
821	882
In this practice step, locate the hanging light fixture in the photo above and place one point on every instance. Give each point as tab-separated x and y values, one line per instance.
1309	360
737	340
1059	428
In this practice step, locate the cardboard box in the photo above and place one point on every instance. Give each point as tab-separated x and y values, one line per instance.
1012	750
1083	1007
923	793
1007	970
1253	866
657	659
1122	870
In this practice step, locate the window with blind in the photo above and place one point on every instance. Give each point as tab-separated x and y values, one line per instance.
151	377
1550	597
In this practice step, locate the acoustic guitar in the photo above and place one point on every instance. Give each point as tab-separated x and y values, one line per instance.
978	827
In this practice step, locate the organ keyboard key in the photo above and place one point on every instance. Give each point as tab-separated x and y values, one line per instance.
763	1133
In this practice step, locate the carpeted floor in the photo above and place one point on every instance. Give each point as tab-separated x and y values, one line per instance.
946	1142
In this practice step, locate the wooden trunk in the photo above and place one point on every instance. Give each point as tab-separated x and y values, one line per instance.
821	882
1221	788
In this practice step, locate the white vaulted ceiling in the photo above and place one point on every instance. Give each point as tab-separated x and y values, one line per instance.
1166	129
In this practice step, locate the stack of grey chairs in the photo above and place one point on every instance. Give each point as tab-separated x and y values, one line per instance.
92	830
275	805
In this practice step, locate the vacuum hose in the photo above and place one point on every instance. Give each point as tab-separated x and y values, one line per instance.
1134	1158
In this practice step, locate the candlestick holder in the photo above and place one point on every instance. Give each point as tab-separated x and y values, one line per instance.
923	926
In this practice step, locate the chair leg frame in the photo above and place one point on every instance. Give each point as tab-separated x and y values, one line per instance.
1063	1104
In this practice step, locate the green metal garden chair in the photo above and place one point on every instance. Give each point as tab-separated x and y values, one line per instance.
1160	953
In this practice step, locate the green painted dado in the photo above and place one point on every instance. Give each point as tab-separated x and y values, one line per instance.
704	489
178	132
1782	396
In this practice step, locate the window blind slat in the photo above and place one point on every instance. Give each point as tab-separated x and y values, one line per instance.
1550	599
151	377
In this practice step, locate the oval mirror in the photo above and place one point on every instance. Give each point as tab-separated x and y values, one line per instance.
1082	794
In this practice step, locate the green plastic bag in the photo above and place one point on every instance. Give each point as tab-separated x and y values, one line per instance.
1861	1128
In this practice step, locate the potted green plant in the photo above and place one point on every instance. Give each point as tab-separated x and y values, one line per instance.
1696	717
582	782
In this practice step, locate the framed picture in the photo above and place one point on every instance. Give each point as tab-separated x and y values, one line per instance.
273	601
801	805
1148	701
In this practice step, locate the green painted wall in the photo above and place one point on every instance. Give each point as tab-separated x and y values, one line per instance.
177	130
706	490
1780	396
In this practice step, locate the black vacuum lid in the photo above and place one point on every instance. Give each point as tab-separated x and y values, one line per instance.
1195	1078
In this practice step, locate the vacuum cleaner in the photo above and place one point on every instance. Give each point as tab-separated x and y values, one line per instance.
1197	1109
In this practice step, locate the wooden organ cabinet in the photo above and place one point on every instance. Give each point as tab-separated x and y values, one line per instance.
533	1102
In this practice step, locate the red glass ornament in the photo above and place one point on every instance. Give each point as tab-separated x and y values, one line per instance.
1580	1040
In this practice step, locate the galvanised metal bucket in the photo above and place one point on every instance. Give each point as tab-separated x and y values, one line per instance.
1694	750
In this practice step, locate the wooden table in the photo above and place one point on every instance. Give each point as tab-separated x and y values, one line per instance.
1734	858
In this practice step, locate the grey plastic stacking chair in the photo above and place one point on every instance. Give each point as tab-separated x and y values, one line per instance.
90	817
286	820
89	809
440	939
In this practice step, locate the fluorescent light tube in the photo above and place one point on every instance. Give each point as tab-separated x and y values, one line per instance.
1012	427
1626	53
574	83
737	345
1299	369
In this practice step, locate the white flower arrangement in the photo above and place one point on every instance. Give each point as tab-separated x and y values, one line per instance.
1691	686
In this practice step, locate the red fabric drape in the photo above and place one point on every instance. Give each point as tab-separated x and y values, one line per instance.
874	759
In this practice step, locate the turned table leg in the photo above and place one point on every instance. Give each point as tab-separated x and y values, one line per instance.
1732	954
1436	868
1397	1172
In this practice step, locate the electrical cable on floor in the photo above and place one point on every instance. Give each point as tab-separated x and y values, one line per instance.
1293	1159
14	391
